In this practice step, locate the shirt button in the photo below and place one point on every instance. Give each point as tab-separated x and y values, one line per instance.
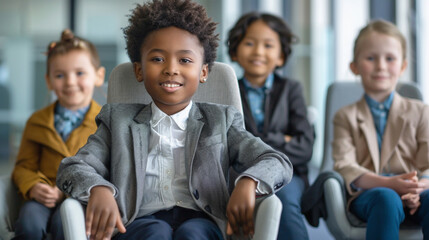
165	187
381	106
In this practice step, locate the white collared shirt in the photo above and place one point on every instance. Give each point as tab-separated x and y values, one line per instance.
166	183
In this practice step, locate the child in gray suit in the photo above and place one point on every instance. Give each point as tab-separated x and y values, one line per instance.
160	171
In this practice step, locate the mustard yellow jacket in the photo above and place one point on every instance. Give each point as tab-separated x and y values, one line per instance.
42	148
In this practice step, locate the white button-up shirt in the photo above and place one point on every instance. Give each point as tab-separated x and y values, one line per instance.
166	183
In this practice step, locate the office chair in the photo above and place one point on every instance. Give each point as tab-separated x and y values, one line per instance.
10	202
221	87
342	223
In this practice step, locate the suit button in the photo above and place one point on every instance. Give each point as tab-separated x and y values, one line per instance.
67	186
196	195
208	209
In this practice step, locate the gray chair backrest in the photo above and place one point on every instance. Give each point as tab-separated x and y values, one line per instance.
341	94
221	87
100	94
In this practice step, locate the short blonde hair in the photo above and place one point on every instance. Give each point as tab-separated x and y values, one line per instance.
384	27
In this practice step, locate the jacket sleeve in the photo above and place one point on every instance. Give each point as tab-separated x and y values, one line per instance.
26	171
300	148
344	150
90	166
422	155
252	157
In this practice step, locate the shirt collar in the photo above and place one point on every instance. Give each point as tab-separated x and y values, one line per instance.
384	105
65	112
267	85
180	118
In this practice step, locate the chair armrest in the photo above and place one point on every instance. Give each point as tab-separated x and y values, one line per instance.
72	217
10	202
337	220
267	218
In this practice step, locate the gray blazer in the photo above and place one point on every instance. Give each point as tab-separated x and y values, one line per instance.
116	156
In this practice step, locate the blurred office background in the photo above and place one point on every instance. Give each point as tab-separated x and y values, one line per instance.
326	30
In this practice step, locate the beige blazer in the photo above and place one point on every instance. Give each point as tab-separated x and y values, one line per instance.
405	144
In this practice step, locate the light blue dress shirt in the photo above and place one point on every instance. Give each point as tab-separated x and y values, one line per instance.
380	112
256	97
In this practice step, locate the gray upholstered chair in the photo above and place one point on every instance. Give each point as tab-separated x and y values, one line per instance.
221	87
341	223
10	202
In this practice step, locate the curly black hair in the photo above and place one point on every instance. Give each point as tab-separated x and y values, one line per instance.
237	33
183	14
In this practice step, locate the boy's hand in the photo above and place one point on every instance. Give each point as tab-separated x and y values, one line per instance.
45	194
412	201
102	214
240	208
406	183
425	183
59	193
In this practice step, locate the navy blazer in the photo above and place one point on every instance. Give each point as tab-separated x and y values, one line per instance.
285	114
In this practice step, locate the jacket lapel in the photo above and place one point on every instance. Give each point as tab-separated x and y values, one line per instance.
140	131
45	133
248	117
193	132
366	125
272	100
395	124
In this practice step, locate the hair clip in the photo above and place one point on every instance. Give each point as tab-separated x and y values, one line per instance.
52	45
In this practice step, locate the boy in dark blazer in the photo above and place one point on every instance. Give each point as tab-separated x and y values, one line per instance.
274	107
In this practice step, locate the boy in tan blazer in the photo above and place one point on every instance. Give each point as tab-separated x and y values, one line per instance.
381	142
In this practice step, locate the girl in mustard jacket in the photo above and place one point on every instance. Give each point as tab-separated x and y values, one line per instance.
55	132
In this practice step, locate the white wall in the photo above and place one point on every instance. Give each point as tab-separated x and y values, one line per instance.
349	17
423	46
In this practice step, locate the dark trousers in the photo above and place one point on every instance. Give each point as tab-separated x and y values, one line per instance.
35	221
177	223
383	211
292	224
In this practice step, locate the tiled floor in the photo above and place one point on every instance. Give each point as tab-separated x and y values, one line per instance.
319	233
